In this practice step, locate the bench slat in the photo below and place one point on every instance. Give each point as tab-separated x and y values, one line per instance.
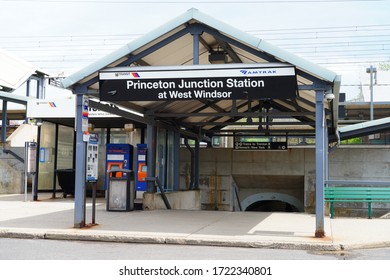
362	196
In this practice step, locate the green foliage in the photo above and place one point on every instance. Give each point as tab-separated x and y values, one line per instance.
352	141
384	66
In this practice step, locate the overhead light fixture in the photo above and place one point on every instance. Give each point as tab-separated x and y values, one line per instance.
129	127
39	122
329	96
217	57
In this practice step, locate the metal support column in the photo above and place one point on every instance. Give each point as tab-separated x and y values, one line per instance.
55	161
151	157
36	177
326	153
195	154
41	88
176	160
4	122
81	148
28	89
192	170
195	34
320	163
196	164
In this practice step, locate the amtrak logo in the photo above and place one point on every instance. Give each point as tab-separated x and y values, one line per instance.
258	72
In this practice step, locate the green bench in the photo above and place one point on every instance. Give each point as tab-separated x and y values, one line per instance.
356	194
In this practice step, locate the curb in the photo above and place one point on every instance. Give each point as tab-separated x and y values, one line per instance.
185	240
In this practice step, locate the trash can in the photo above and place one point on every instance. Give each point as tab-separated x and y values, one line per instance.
120	190
66	180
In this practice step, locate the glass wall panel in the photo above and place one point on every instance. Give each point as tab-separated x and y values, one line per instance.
65	147
46	157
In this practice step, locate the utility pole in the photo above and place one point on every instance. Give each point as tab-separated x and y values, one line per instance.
372	71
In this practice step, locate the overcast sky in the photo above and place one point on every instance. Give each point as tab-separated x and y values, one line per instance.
65	36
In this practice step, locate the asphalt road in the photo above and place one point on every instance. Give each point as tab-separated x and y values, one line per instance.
39	249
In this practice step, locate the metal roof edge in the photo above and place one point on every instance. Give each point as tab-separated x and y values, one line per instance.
13	62
262	45
195	14
335	103
226	28
15	98
363	125
298	61
128	48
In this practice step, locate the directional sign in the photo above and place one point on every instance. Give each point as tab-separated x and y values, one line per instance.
260	146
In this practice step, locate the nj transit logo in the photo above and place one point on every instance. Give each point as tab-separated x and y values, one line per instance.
133	74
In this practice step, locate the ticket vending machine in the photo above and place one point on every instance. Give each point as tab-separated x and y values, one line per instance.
118	156
140	176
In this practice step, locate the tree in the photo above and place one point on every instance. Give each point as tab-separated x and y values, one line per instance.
384	66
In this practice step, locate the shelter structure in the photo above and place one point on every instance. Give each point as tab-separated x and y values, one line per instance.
195	41
14	72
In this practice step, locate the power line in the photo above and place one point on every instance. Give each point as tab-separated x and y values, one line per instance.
87	47
356	27
287	30
335	44
93	38
194	2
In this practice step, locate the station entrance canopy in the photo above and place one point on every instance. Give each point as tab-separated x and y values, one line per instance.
197	39
194	98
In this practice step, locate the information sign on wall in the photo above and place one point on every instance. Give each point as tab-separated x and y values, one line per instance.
260	146
241	81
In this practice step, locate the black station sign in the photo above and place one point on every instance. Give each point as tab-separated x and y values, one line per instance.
188	84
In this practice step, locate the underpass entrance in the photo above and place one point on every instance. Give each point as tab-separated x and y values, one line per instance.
272	202
272	193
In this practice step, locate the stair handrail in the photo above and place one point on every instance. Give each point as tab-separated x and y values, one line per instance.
13	154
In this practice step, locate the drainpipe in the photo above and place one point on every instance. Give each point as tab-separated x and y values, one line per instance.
338	142
192	152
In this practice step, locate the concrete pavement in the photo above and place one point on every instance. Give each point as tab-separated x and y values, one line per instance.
54	218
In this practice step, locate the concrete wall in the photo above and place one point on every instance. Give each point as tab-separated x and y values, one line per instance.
356	163
290	173
184	200
11	173
221	170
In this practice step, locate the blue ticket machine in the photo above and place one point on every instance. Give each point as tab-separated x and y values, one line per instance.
140	176
118	156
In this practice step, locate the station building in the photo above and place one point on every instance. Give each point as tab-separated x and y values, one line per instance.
230	123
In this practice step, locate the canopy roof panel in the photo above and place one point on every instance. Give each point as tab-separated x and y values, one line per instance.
14	71
172	44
